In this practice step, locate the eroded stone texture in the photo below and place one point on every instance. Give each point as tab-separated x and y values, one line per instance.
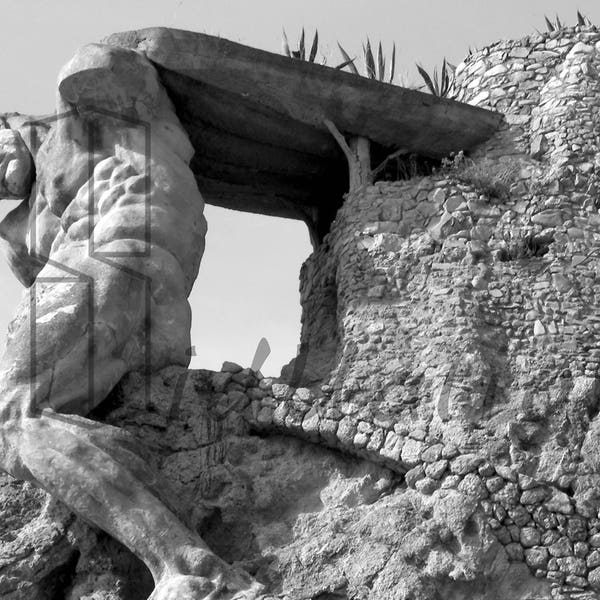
465	310
304	520
46	552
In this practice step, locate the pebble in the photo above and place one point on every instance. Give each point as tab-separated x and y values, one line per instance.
437	469
465	463
433	453
594	577
561	548
533	496
411	452
537	557
559	502
593	559
571	565
427	485
529	537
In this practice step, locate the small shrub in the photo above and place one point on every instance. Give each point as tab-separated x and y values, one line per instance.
403	167
439	86
300	53
373	70
527	246
489	177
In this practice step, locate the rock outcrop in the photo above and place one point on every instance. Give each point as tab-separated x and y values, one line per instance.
308	522
438	436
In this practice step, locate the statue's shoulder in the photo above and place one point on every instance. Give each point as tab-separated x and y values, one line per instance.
109	78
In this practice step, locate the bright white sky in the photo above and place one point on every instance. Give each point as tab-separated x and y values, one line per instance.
248	283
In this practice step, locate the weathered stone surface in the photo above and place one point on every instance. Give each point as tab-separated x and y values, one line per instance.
534	496
537	557
594	577
348	516
45	551
464	464
561	548
530	536
411	452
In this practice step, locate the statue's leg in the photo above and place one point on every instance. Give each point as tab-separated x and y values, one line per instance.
91	467
95	476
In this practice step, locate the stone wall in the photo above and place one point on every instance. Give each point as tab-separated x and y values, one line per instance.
306	521
466	321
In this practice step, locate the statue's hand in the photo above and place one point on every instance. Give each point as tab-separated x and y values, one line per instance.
16	166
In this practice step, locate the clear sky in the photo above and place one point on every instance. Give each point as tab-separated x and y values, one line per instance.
248	282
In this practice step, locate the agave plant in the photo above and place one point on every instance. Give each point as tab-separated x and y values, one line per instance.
439	86
373	70
300	54
553	26
557	25
582	21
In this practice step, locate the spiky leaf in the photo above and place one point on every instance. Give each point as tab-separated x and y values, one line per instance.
393	65
425	75
314	47
444	76
381	63
581	19
370	61
558	23
549	24
301	49
286	45
449	76
348	61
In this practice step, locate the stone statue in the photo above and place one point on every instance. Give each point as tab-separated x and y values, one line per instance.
109	235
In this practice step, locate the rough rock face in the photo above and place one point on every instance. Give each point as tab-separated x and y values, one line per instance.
309	522
445	440
464	312
46	553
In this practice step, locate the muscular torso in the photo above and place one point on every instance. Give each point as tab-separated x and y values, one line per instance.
114	204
